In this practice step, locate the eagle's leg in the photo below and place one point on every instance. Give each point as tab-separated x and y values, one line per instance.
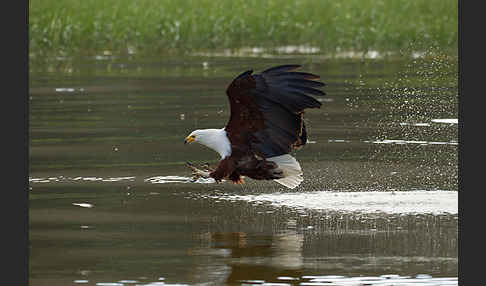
224	169
236	178
197	173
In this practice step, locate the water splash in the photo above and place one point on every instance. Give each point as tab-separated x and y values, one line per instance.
177	179
400	202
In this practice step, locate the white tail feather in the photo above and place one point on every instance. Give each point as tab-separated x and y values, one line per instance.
291	170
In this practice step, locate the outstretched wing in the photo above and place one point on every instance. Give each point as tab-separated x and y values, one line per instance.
267	109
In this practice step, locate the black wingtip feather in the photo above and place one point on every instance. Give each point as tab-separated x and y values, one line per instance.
308	90
248	72
295	100
292	90
298	75
305	82
282	68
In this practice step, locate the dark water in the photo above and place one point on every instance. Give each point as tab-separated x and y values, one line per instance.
111	202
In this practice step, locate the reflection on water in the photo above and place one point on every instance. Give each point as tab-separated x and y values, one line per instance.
112	202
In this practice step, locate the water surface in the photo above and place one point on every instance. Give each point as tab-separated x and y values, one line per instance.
112	203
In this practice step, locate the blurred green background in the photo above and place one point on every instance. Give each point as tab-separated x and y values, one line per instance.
180	26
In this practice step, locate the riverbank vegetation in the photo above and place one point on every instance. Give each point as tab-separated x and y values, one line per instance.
89	27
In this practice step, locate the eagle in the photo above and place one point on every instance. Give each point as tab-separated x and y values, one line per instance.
266	123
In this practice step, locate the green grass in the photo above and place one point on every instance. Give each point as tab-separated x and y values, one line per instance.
70	27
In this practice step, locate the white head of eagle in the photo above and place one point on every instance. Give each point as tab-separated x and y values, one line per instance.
266	123
215	139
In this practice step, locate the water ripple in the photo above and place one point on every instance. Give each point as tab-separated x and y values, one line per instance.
74	179
177	179
401	141
318	280
446	120
383	280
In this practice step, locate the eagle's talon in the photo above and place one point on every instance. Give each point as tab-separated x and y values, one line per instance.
207	167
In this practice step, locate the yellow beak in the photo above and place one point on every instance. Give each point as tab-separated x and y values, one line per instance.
189	139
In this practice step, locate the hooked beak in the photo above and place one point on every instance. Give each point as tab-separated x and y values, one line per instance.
189	139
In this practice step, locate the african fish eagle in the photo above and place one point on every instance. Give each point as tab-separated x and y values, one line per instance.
266	123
